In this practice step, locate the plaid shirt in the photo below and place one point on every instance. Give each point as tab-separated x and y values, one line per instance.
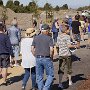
63	41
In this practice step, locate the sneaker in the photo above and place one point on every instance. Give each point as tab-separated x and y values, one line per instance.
15	65
60	86
23	87
11	65
70	83
33	89
5	83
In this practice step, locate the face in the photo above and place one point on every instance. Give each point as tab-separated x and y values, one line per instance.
68	32
64	28
47	32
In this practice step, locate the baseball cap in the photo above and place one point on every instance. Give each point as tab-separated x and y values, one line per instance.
45	27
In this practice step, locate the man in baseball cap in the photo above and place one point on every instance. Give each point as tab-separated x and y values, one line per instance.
45	27
42	49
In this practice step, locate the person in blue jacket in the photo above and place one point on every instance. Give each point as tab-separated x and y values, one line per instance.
55	30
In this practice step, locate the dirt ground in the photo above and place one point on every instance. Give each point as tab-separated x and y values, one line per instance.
85	84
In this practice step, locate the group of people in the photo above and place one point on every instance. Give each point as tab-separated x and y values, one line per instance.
9	47
78	27
38	50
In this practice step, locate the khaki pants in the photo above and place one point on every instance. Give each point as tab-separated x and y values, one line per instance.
65	61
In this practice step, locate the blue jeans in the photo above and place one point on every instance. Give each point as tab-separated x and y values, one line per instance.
27	75
47	64
55	35
16	50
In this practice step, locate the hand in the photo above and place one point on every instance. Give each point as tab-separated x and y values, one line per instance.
51	57
76	46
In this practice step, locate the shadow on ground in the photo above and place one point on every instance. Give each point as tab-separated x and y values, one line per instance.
75	79
75	58
15	79
82	46
78	77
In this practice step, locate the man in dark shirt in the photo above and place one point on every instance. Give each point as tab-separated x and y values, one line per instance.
5	52
34	23
77	16
42	49
75	30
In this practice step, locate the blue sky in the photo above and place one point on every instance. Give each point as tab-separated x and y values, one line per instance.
71	3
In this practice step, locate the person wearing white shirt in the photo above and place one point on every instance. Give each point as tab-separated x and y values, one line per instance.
28	60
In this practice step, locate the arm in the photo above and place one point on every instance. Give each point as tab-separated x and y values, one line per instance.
51	52
21	46
51	47
56	24
19	35
33	50
33	47
9	46
80	26
72	46
69	43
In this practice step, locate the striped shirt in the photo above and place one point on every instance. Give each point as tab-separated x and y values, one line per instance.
63	41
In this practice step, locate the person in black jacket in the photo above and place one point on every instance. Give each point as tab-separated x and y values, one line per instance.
5	53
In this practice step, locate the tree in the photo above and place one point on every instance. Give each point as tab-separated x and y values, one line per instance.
21	5
65	6
32	7
1	3
49	12
4	15
84	8
47	6
17	3
26	9
57	8
9	4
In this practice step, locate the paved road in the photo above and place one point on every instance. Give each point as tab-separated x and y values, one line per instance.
81	69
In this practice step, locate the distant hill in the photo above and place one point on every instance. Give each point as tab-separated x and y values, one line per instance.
24	19
84	8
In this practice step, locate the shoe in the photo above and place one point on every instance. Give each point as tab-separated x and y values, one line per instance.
5	83
60	86
16	65
33	89
70	83
82	40
73	50
23	87
11	65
